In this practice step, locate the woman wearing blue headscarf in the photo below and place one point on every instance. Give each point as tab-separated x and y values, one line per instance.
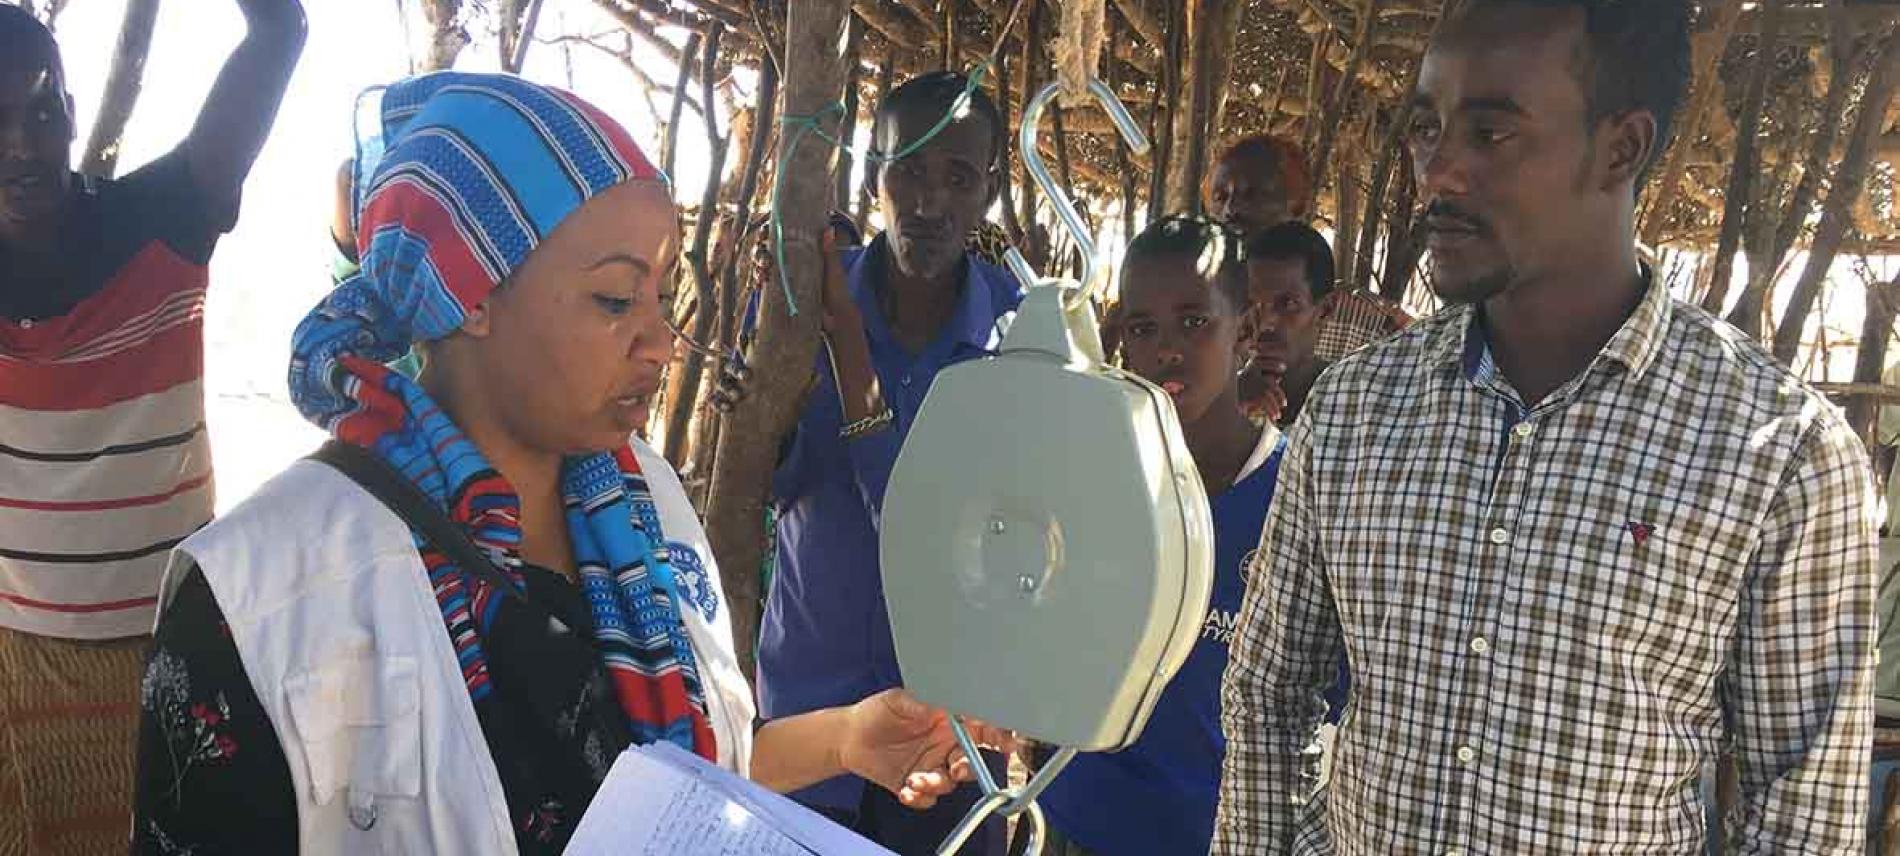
437	636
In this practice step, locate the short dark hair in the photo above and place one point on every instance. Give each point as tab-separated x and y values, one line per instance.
18	28
1194	237
1295	241
1638	58
937	92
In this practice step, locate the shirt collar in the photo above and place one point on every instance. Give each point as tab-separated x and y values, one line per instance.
1637	342
1462	343
973	322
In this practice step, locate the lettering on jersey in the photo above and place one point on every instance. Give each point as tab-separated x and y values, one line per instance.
1220	625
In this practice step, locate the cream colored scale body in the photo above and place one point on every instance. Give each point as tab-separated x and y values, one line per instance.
1046	541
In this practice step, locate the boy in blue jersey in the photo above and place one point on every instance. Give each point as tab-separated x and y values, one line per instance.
1184	324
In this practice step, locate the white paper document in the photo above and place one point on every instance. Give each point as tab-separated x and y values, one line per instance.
661	800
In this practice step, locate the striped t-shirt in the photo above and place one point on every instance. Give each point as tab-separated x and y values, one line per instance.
104	462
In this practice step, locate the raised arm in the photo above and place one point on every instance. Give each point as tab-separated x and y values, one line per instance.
238	113
1798	692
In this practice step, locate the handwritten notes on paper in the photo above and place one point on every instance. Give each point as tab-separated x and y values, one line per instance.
663	801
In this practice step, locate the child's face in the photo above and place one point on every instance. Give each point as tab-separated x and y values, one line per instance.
1286	319
1180	333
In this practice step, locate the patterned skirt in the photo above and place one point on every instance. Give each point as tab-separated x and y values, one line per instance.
68	743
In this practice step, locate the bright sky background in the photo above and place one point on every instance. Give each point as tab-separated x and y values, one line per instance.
274	267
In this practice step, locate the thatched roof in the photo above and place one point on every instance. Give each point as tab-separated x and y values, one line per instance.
1270	84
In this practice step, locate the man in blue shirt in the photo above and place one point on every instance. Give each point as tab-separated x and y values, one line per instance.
896	313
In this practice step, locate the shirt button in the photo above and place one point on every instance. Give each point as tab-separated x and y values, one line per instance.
1523	430
1499	536
1480	645
1466	755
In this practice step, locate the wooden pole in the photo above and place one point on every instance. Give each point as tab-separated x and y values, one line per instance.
670	144
123	84
1200	95
886	81
1402	244
1340	104
447	37
697	260
1031	245
1124	165
682	397
1168	102
1006	198
1741	183
764	119
1748	311
1375	214
1346	214
787	344
848	120
1837	215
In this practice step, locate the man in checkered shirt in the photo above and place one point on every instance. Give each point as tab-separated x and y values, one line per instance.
1575	537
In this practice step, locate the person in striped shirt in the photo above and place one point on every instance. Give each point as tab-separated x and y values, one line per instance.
104	463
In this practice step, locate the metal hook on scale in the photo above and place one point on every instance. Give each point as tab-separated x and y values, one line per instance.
999	799
1065	209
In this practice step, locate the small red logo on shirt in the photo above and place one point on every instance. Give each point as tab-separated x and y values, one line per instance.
1639	532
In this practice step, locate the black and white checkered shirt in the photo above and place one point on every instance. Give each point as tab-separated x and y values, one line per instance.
1554	615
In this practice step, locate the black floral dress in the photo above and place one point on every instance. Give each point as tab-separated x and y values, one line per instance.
212	775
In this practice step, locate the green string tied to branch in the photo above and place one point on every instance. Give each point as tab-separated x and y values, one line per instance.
801	125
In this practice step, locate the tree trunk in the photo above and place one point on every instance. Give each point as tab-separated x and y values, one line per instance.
519	19
1315	76
1375	214
669	145
1837	215
1006	195
1403	246
1124	165
1741	184
1870	361
508	15
848	120
1168	91
1709	48
1761	273
1340	104
1200	94
123	85
1346	215
764	119
886	81
1031	245
447	37
787	343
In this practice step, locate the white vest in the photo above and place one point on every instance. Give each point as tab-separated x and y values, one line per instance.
339	632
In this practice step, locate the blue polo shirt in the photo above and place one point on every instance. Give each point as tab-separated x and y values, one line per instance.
1159	795
826	637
